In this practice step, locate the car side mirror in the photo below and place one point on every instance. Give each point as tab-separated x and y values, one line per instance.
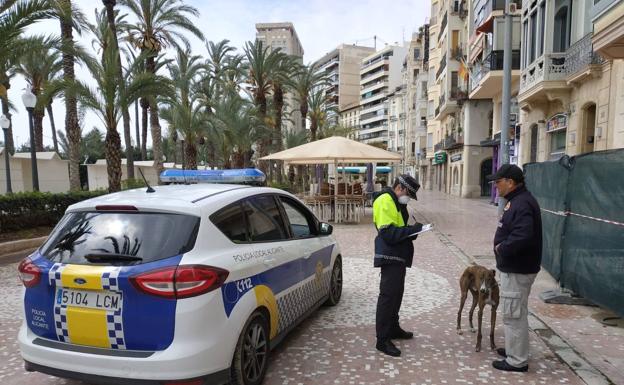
325	228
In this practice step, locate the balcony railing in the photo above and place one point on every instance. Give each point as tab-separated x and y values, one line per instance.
492	62
486	10
443	25
452	141
438	146
442	66
457	53
558	66
581	54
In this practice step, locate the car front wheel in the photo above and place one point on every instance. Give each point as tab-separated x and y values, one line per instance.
252	352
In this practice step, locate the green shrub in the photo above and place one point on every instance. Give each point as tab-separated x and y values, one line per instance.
26	210
281	186
128	184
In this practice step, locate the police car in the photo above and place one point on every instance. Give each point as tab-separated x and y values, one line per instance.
188	284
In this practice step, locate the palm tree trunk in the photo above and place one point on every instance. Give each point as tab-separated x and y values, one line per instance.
136	125
144	107
38	115
190	151
52	126
113	157
71	110
263	144
10	145
154	123
278	97
303	109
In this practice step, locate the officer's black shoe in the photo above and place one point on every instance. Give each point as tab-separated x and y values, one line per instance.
388	348
503	365
501	352
400	334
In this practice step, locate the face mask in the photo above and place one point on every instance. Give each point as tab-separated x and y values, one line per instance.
404	199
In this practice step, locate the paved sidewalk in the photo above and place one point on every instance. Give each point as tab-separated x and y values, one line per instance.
470	225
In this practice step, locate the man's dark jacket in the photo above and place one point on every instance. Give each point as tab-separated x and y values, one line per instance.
519	234
393	244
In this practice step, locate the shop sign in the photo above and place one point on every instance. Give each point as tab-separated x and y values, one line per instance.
456	157
557	122
439	157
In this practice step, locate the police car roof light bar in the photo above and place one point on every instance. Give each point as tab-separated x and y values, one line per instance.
251	176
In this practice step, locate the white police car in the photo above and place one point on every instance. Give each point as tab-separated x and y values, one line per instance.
185	285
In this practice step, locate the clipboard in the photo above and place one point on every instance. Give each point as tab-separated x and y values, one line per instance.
425	228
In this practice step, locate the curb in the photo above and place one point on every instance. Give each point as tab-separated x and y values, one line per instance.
560	347
21	245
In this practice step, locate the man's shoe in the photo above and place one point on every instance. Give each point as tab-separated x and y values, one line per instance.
503	365
501	352
400	334
388	348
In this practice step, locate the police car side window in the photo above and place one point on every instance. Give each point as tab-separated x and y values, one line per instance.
264	219
299	221
231	221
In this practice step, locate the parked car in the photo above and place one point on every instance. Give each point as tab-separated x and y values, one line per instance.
189	284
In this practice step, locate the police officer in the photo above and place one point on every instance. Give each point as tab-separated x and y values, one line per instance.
393	254
518	250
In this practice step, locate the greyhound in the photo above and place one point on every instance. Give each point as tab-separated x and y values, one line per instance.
484	289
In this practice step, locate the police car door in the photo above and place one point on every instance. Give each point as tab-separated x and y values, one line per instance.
316	252
281	258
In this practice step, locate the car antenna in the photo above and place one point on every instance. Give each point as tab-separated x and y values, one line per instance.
149	188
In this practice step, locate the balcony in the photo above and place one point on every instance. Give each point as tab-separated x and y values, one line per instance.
486	78
459	8
438	146
556	72
452	142
608	23
442	66
457	53
443	26
484	16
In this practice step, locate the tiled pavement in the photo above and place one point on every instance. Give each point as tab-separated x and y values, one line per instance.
337	345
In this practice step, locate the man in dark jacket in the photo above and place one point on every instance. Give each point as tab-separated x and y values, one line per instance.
518	250
393	254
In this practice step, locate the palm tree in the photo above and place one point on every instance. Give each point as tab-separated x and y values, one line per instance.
260	64
70	18
15	17
159	24
109	99
317	102
306	79
38	64
184	112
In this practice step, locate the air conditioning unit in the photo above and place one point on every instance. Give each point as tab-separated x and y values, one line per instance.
513	8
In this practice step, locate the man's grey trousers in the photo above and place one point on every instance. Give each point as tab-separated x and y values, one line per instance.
514	293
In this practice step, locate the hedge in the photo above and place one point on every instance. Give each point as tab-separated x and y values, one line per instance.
26	210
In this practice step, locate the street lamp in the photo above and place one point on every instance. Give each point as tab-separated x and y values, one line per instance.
30	100
5	123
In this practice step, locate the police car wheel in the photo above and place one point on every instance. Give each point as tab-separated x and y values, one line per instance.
252	352
335	284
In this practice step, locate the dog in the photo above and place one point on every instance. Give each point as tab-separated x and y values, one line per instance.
484	289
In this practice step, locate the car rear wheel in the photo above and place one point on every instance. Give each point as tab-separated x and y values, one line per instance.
335	284
252	352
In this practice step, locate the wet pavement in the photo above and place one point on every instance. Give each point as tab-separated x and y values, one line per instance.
337	345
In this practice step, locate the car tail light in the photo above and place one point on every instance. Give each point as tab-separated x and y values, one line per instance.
180	282
116	208
29	273
198	381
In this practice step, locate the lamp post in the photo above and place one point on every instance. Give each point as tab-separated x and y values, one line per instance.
5	123
30	100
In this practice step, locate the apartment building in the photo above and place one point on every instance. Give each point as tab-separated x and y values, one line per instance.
283	36
380	74
342	67
407	115
570	95
350	118
485	60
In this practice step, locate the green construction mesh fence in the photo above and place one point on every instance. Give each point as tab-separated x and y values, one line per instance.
582	202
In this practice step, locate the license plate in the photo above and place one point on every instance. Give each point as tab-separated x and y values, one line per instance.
104	300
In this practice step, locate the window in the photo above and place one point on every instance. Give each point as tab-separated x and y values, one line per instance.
557	144
416	53
525	47
301	224
264	219
542	26
148	236
532	38
231	221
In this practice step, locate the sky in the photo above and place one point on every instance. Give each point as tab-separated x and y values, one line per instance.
320	24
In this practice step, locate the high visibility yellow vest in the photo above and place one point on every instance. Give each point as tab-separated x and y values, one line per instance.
385	212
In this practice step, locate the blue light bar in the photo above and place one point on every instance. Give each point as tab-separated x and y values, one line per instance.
235	176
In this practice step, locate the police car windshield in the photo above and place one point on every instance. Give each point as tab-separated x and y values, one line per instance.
139	237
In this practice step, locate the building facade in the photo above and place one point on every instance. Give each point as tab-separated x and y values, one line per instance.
380	74
283	36
342	67
350	118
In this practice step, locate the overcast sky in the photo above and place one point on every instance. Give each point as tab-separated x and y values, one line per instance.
320	24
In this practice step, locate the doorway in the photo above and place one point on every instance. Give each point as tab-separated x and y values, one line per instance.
486	169
589	128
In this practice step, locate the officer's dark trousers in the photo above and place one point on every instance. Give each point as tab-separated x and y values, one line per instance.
389	302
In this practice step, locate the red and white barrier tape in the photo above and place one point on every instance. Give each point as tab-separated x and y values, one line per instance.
566	213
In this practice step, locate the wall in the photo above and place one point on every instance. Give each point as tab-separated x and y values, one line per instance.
17	182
